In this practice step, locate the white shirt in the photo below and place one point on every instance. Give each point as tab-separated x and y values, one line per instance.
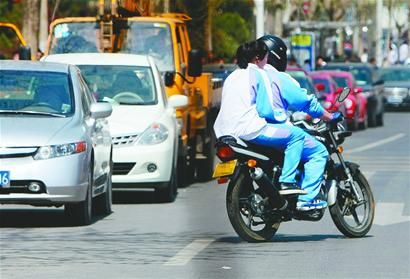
238	116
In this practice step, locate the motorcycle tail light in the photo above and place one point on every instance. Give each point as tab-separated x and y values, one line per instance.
225	152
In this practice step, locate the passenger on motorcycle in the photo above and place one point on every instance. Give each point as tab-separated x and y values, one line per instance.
287	93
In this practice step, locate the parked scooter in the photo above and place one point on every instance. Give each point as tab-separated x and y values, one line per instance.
255	207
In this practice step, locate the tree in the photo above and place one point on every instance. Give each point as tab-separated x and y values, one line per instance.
31	23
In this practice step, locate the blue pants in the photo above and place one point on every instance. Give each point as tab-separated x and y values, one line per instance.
298	146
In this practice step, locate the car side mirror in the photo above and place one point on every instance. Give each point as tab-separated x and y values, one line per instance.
194	63
178	101
169	78
25	53
358	90
320	87
100	110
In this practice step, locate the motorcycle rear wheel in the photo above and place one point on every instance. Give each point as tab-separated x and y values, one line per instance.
351	218
249	227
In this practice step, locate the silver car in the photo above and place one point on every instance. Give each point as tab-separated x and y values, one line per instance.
55	145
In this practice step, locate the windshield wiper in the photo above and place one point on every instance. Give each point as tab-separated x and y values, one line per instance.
131	104
30	113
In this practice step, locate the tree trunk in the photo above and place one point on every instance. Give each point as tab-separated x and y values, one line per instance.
31	24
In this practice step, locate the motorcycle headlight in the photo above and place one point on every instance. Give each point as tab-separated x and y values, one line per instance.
53	151
154	134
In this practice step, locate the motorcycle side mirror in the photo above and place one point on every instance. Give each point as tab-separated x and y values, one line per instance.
343	95
320	87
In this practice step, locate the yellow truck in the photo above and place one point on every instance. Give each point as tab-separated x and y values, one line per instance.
130	27
12	43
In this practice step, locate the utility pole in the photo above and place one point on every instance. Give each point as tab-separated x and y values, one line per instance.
43	25
378	33
260	21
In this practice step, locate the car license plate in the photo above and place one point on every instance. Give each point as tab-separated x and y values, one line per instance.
4	179
224	169
394	99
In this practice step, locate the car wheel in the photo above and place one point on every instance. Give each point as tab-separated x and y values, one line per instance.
186	166
103	203
371	118
81	213
363	124
379	119
205	166
169	192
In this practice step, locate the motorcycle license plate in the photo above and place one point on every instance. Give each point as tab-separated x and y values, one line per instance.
224	169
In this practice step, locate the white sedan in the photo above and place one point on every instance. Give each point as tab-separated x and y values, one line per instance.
143	123
55	145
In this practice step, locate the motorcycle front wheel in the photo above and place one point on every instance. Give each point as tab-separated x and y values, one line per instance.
248	212
354	218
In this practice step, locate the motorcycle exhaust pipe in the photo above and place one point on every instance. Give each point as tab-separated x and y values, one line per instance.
263	181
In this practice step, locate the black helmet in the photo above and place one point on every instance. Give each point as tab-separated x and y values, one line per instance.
277	51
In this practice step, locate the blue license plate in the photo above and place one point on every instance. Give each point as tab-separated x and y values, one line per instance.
4	179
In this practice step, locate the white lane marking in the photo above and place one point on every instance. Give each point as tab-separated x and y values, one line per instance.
389	214
375	144
190	251
368	174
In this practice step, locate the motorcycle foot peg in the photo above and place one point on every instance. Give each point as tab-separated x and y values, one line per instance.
262	180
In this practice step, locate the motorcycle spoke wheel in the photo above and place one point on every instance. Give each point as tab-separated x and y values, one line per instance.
247	219
353	217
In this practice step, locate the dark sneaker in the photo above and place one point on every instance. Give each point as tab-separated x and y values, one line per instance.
291	189
315	204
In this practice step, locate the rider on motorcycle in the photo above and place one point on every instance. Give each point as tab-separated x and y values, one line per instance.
239	116
287	93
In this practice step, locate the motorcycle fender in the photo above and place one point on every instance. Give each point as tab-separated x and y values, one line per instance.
340	172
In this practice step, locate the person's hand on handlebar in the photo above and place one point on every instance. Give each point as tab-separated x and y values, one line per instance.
337	116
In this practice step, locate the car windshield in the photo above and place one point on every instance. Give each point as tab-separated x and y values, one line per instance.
303	82
118	84
341	81
74	37
400	74
32	92
362	76
9	42
323	81
150	38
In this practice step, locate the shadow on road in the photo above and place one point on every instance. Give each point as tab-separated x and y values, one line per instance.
133	197
286	238
36	218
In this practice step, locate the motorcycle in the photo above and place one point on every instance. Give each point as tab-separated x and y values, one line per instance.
255	207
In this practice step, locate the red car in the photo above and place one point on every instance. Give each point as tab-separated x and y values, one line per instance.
328	88
356	108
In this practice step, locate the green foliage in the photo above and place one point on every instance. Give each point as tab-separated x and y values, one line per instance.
229	31
13	15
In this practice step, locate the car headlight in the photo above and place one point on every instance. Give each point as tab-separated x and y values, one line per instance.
53	151
327	105
348	103
154	134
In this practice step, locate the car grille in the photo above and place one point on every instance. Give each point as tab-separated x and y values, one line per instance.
402	92
122	168
124	140
15	152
